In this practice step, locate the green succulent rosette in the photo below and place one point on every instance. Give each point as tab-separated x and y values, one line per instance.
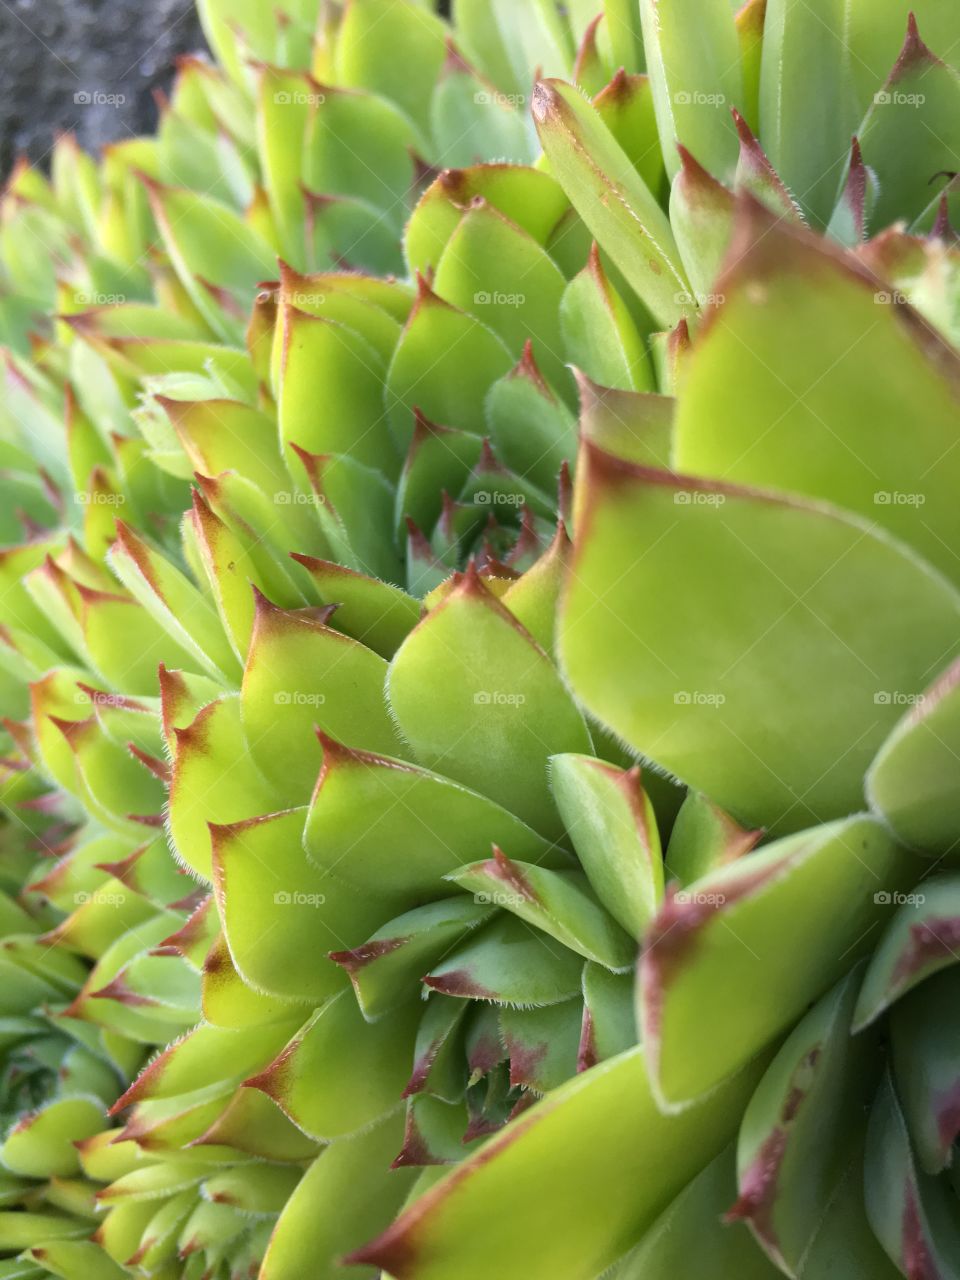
438	747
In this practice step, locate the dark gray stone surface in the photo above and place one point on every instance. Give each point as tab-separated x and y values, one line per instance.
86	65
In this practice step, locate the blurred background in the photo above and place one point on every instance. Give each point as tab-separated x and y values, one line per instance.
90	66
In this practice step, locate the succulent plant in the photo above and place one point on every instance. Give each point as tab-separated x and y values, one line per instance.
437	744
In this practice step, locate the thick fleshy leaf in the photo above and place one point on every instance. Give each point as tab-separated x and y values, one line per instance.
611	198
281	914
695	81
509	963
254	1124
387	826
377	613
339	1073
922	938
212	783
40	1145
911	130
701	214
445	363
497	272
504	710
320	678
386	967
379	43
760	571
560	904
582	1219
532	428
632	425
691	1236
323	353
807	106
831	376
530	198
609	1018
213	249
913	781
783	925
542	1044
599	334
803	1124
926	1053
705	838
306	1241
912	1215
611	822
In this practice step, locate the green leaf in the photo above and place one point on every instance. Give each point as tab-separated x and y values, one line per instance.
301	675
701	214
376	613
320	352
599	335
704	838
40	1145
533	430
212	782
782	924
509	963
212	249
444	365
560	904
611	822
912	781
591	1157
834	372
339	1073
527	197
693	60
807	107
494	270
379	44
386	825
912	1215
305	1242
633	425
813	616
470	117
803	1124
911	131
926	1051
542	1044
609	1020
498	707
281	915
691	1237
385	968
920	940
611	198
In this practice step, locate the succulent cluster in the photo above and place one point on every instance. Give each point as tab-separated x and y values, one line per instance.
480	653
